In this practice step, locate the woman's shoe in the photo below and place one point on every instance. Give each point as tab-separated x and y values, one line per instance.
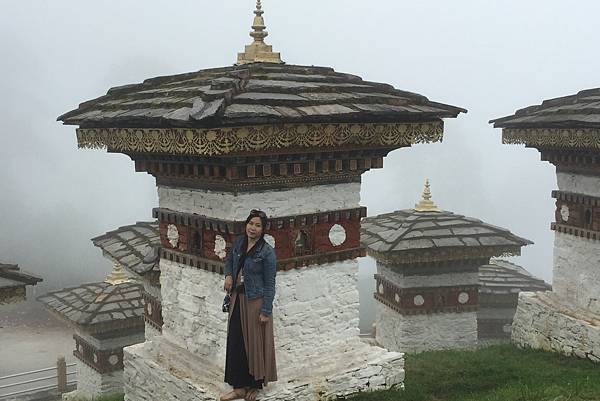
251	394
236	394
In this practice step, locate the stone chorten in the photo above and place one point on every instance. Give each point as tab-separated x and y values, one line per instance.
135	247
500	283
427	277
293	141
566	131
13	283
106	317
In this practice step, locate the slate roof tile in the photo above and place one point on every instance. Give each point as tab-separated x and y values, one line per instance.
581	110
216	97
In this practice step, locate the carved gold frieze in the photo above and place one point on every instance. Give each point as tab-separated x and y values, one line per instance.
222	141
580	138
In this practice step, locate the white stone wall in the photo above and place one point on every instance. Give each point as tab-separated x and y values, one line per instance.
541	322
158	370
418	333
314	309
579	184
437	280
577	271
93	384
191	308
229	206
150	332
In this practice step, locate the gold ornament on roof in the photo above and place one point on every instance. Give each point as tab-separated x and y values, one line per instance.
259	51
117	276
426	204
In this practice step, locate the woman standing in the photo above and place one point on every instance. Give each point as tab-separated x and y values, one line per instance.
250	279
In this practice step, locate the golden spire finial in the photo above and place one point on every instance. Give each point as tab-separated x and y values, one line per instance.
117	276
259	51
426	204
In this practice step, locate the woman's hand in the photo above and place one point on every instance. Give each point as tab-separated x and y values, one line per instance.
263	319
228	284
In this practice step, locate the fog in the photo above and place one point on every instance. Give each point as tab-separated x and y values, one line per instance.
490	57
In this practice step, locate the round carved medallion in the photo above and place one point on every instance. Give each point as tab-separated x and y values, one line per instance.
380	289
95	358
173	235
149	308
564	213
113	360
220	247
463	298
269	239
419	300
397	298
337	235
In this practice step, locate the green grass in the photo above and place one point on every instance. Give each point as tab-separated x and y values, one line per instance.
112	397
497	373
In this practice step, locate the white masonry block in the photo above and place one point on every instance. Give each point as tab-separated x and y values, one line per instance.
230	206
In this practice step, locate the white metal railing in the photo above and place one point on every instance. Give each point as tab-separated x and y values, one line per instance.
60	383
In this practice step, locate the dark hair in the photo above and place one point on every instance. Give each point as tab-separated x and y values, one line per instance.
261	215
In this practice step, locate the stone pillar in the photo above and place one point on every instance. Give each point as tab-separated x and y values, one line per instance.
427	311
100	363
316	307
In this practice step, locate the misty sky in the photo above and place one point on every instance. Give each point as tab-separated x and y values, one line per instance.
490	57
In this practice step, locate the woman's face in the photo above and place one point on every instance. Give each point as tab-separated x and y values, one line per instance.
254	228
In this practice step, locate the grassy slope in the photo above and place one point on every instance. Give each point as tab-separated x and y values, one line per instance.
499	373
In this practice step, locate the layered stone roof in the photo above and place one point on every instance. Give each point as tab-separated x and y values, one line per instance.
250	94
98	307
503	277
576	111
13	276
133	246
570	122
412	236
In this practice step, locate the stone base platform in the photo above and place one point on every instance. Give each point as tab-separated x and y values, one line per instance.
160	370
545	321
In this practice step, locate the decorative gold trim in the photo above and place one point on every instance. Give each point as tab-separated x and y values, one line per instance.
588	138
222	141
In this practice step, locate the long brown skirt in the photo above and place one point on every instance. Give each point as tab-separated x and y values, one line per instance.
259	341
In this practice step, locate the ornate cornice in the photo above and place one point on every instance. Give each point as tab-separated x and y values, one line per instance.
426	300
102	361
213	266
576	231
579	138
223	141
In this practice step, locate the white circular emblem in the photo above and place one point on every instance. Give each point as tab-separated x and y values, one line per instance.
80	348
397	298
95	358
419	300
149	308
269	239
564	213
337	235
220	247
113	360
380	289
463	298
173	235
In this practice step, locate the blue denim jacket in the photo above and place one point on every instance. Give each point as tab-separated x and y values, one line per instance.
259	272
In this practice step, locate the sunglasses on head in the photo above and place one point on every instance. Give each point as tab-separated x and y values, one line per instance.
258	213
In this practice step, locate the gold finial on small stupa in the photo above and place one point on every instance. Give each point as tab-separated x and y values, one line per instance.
259	51
426	204
117	276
